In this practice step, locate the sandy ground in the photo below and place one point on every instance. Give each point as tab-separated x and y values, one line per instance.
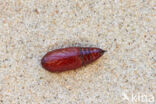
125	28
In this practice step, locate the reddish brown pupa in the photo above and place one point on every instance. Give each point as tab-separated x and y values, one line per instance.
70	58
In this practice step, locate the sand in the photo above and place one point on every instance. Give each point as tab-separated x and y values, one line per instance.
125	28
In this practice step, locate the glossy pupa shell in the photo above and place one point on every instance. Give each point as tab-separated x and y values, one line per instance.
70	58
